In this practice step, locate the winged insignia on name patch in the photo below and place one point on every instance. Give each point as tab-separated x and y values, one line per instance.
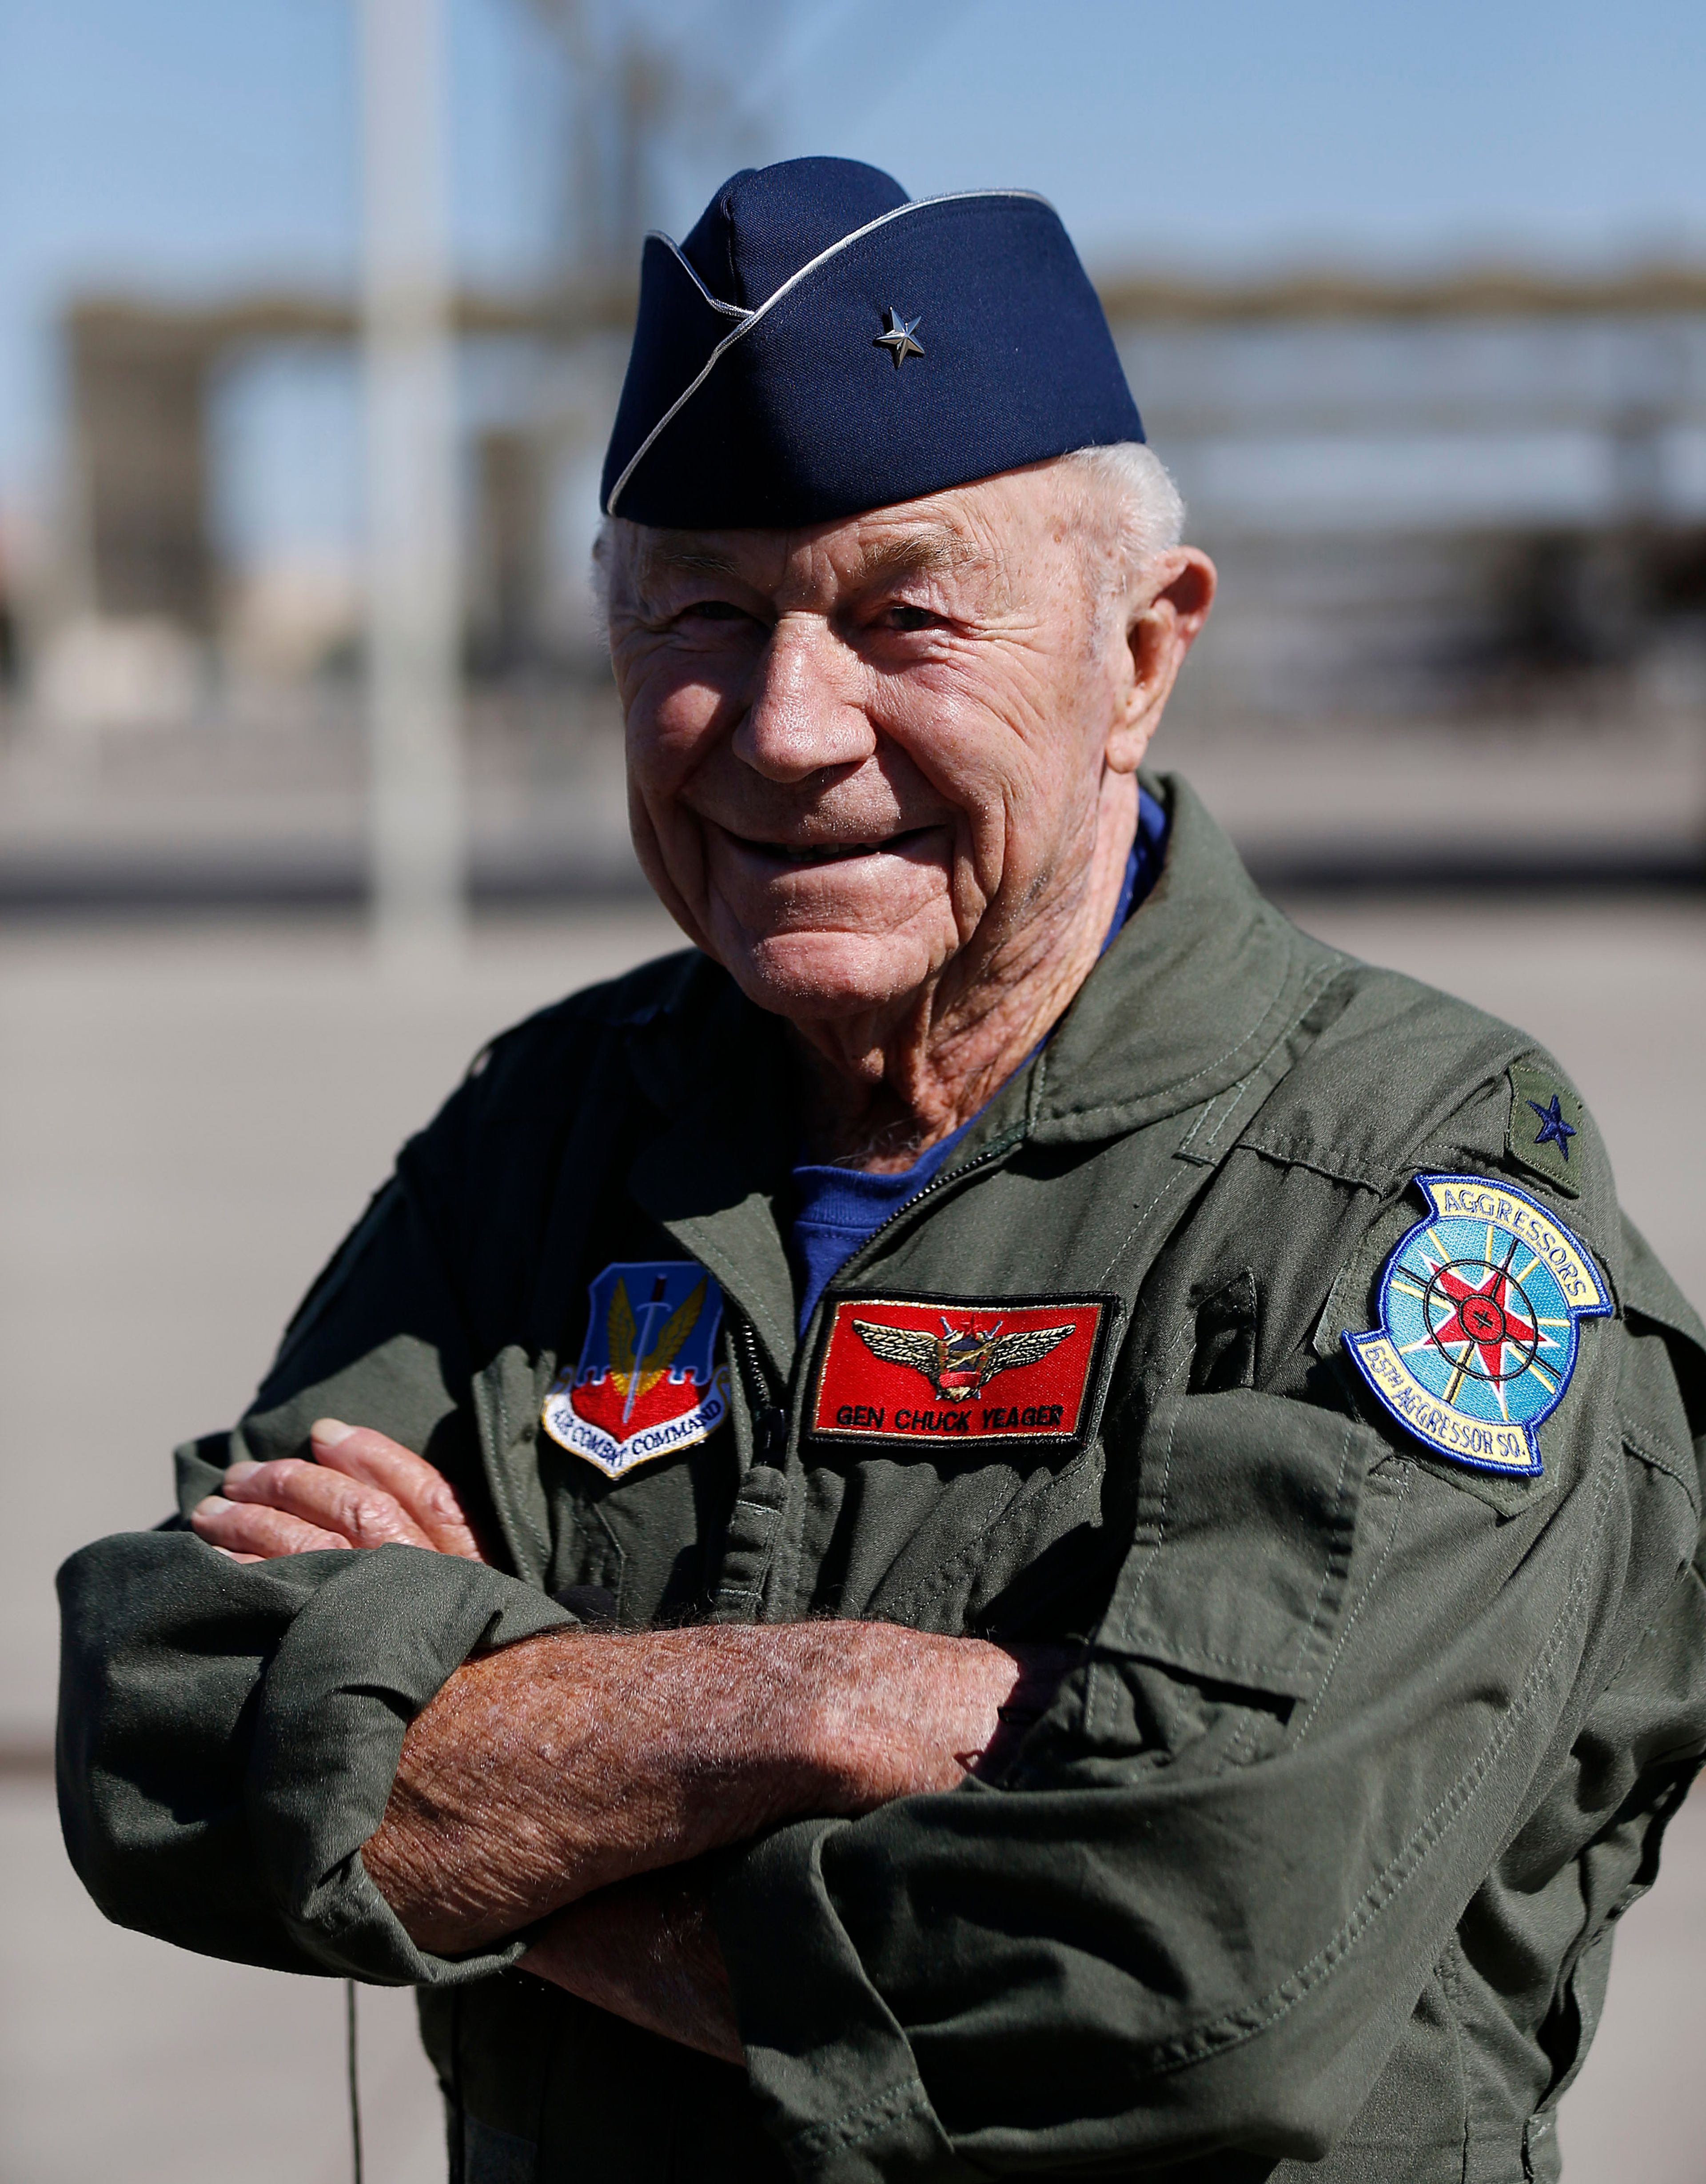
961	1361
1478	1311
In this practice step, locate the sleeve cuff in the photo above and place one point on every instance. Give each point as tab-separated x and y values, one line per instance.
832	2070
379	1637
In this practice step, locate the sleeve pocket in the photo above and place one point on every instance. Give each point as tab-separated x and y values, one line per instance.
1246	1518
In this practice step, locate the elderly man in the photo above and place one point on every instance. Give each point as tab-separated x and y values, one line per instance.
1015	1520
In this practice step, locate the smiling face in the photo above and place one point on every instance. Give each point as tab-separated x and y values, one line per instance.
886	765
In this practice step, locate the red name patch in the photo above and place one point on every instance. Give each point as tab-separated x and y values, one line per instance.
938	1368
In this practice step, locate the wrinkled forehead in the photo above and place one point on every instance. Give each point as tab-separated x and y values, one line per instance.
848	558
993	536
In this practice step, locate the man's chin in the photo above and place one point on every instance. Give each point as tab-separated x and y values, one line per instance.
821	977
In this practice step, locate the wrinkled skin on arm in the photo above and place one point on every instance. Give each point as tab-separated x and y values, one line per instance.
574	1774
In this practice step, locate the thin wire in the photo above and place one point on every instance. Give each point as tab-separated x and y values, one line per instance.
353	2061
459	2119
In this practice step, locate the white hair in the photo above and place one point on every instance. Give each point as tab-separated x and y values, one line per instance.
1148	512
1128	493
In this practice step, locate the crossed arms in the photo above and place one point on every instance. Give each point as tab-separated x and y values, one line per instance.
575	1777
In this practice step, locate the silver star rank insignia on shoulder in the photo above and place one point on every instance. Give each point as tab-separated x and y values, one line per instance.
901	340
1478	1312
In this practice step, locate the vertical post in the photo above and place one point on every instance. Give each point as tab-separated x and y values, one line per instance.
416	846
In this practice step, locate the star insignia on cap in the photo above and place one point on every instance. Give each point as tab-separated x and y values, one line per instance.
899	341
1554	1129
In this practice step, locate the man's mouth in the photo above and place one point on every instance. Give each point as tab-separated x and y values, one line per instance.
793	854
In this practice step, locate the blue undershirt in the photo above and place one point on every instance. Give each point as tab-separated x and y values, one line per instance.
839	1207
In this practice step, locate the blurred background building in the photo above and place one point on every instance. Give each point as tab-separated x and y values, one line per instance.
312	315
1460	498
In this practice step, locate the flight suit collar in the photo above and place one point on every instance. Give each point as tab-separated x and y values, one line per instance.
1185	1002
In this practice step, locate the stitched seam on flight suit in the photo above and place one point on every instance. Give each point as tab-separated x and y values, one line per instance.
1450	1969
1308	1631
1638	1449
729	1272
520	1531
1242	1746
1362	1601
755	1591
969	1561
1173	1183
1286	1152
1372	1175
1098	1679
1226	1101
883	2108
1314	987
1638	1642
1235	2028
1234	1096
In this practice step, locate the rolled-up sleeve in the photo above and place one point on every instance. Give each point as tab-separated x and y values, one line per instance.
1197	1912
228	1734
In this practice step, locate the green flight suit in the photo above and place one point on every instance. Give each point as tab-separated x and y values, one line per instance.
1316	1856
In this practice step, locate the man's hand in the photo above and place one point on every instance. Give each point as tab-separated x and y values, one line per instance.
646	1950
362	1490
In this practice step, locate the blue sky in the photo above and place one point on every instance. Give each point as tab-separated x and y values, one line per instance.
191	143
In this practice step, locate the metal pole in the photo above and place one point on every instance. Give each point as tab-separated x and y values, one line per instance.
416	845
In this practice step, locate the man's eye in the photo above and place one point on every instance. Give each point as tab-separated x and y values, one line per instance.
906	618
714	610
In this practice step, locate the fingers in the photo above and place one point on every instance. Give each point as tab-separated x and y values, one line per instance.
249	1534
425	1495
364	1490
355	1514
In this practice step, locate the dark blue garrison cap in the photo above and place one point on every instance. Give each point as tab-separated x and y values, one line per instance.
821	344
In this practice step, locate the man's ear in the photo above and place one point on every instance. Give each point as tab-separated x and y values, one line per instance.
1169	605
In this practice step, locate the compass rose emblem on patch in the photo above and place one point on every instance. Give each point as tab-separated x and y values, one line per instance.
645	1385
1478	1310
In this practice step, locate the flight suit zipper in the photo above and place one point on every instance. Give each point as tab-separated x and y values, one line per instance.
769	1417
938	1183
737	1594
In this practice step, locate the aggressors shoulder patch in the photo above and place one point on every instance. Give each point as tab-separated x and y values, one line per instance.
1478	1312
909	1369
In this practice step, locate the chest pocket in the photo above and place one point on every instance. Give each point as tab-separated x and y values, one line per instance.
1236	1576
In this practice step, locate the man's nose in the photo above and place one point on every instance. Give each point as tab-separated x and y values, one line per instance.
805	712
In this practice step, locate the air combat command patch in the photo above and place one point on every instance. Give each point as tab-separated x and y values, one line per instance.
1478	1309
645	1385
